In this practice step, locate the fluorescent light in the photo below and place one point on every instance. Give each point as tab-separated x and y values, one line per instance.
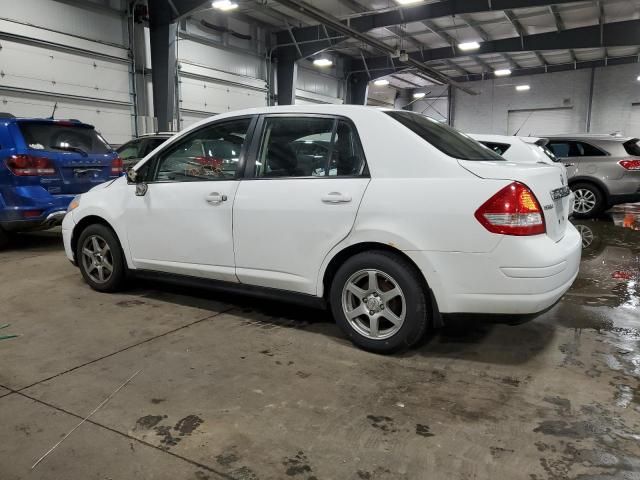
638	78
466	46
322	62
419	95
381	83
407	2
224	5
502	73
523	88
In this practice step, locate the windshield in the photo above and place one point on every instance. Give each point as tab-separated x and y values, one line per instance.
63	137
446	139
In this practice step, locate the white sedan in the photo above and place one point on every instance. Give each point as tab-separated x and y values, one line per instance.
389	217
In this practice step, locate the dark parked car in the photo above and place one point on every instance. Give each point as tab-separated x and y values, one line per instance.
138	148
44	164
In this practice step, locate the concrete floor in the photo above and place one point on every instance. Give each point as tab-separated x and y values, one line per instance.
234	388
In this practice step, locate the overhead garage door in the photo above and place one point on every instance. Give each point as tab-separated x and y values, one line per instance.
541	121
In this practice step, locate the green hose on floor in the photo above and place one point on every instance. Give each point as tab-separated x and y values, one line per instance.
5	337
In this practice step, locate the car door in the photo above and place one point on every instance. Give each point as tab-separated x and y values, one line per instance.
300	199
568	153
183	223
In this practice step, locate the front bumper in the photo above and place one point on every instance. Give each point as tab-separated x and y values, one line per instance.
521	276
68	224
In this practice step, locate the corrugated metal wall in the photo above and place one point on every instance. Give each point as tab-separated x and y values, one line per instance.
70	54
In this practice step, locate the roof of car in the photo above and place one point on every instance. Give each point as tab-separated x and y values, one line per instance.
65	121
502	138
158	134
320	108
610	137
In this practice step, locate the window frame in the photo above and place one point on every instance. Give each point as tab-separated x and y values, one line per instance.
153	162
258	137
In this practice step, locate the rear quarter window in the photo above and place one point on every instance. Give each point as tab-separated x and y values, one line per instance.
446	139
632	147
499	148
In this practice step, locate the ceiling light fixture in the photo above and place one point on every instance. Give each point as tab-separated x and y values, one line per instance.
638	78
466	46
502	72
381	83
224	5
407	2
419	95
523	88
322	62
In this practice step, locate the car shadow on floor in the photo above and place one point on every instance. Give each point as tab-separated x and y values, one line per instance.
481	339
37	242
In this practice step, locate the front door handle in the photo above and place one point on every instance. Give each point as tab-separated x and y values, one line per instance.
336	197
215	198
569	164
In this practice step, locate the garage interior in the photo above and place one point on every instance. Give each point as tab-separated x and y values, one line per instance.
242	388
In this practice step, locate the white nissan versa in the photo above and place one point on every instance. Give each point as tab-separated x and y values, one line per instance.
390	217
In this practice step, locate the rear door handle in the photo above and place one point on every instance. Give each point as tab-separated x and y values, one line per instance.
215	198
336	197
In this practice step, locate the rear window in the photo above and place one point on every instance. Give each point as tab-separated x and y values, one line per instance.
446	139
633	147
63	137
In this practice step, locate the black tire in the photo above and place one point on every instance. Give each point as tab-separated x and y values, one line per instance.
598	196
117	277
406	277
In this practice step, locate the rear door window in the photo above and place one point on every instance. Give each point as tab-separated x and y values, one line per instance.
65	136
499	148
446	139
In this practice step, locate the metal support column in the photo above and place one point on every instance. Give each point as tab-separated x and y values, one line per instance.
590	105
163	63
358	89
287	76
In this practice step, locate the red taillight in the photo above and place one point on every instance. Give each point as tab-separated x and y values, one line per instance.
514	210
116	167
630	164
31	213
29	166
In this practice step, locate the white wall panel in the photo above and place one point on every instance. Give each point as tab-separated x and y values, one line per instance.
318	83
616	89
544	121
67	18
114	122
43	69
234	62
211	96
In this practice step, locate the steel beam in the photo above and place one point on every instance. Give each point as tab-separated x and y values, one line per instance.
358	89
616	34
287	75
163	63
561	68
409	14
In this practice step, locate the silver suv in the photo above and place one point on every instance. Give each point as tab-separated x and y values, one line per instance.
603	170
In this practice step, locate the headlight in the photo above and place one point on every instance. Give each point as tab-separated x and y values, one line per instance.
75	203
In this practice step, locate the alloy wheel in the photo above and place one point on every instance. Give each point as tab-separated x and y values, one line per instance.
373	304
97	259
585	200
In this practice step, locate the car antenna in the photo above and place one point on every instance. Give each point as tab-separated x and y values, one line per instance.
55	107
515	134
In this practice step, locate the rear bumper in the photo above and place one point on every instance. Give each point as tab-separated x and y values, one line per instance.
521	276
31	208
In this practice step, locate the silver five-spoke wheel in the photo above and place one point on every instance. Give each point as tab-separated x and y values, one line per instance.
374	304
585	200
97	259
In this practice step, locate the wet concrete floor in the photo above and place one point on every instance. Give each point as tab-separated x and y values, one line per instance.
236	388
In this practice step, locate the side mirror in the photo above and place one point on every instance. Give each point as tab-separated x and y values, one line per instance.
138	180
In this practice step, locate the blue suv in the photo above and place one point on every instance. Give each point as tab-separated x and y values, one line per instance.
44	163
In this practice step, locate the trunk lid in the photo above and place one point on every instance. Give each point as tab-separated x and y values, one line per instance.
81	157
547	182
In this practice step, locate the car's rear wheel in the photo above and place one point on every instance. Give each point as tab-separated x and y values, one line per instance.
100	258
588	201
378	300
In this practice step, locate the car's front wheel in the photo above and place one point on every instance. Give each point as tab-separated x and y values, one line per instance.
588	201
378	300
100	258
